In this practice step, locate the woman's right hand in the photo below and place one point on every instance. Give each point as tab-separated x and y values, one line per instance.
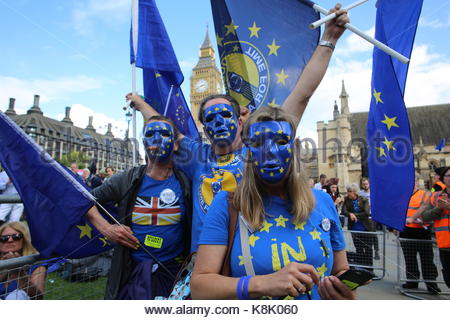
293	280
136	100
9	255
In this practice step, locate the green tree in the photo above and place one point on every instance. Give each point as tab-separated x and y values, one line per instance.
79	157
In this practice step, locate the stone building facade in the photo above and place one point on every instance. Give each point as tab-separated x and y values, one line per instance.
341	150
59	138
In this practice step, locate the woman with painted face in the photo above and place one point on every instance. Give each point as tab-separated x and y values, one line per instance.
154	209
288	242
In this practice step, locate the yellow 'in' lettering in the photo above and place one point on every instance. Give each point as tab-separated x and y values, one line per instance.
288	250
276	263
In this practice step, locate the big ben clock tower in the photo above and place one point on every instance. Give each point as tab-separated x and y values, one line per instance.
206	78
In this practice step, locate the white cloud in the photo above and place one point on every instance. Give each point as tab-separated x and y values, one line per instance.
435	24
80	114
23	90
109	11
353	44
426	85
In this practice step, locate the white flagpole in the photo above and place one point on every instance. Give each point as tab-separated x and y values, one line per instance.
329	17
134	34
168	99
372	40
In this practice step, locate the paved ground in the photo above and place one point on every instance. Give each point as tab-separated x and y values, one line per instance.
388	288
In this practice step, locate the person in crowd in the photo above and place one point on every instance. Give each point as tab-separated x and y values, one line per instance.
9	212
279	213
417	231
109	173
154	207
438	184
311	183
321	185
357	210
19	284
338	199
74	167
438	210
365	192
91	180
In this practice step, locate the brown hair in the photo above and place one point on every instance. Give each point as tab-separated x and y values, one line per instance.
251	190
231	100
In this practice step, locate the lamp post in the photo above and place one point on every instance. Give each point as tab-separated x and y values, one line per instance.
128	117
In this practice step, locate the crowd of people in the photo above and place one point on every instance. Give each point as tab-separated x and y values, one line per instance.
239	209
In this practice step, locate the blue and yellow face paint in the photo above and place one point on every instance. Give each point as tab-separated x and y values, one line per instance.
271	144
159	141
221	123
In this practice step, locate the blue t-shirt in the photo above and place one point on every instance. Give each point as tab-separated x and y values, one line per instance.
357	226
280	242
209	175
158	219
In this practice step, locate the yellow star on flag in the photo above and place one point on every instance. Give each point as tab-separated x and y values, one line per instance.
241	260
281	77
389	144
104	241
254	30
321	270
266	226
377	96
219	40
281	221
86	230
273	48
157	75
231	28
315	234
273	103
381	151
390	122
300	225
236	48
252	239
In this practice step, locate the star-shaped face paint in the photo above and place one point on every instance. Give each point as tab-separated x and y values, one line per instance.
220	123
159	141
271	144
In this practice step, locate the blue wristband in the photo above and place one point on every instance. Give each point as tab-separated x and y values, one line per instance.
245	290
239	288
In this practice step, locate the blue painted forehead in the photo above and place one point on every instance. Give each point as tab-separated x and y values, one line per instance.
218	108
158	126
270	128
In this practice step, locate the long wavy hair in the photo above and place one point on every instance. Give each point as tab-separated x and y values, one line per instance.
251	190
27	247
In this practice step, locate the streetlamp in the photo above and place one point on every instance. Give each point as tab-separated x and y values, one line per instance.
128	117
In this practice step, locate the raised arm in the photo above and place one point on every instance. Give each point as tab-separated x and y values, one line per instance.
314	71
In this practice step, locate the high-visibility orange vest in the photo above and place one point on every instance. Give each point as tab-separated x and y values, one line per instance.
439	183
417	200
442	224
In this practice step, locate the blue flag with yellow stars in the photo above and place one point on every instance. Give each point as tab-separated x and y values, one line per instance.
440	145
390	156
55	200
263	46
161	72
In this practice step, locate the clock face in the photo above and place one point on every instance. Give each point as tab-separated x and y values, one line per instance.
201	85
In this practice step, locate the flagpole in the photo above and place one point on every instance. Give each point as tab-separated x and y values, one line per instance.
134	34
168	99
370	39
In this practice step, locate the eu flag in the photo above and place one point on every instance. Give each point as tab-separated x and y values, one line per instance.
390	156
440	145
263	46
161	71
55	201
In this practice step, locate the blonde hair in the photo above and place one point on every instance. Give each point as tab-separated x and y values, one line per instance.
249	194
27	247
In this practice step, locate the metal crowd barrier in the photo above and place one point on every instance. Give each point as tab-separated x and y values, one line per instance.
418	262
65	279
367	250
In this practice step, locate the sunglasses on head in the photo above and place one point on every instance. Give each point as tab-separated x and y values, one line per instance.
15	237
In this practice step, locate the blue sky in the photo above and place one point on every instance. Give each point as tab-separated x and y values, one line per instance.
76	53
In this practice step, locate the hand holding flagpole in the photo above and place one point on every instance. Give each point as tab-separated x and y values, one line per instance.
329	17
372	40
